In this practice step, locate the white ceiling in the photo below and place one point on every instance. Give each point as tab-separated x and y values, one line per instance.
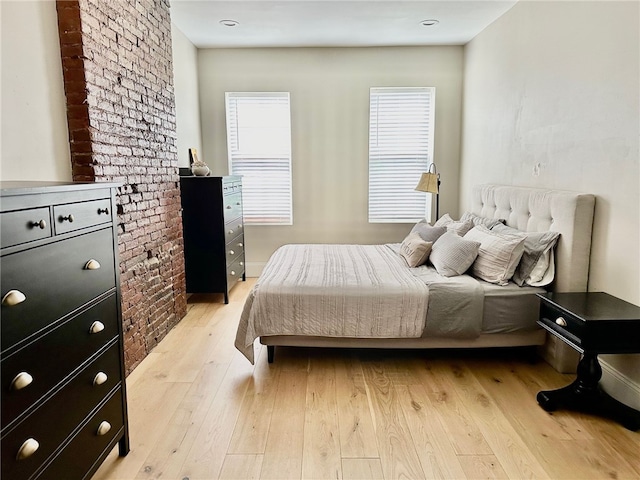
328	23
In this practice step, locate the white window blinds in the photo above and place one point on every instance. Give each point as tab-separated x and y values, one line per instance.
400	148
259	147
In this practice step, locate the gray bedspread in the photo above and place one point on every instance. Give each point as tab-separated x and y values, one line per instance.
362	291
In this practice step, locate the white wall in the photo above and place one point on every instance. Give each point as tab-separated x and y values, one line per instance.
552	100
185	78
34	136
330	113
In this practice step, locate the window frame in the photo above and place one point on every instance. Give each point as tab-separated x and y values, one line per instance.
400	185
234	160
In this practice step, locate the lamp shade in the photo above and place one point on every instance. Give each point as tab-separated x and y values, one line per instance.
428	183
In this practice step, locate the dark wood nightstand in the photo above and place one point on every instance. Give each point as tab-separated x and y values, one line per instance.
592	323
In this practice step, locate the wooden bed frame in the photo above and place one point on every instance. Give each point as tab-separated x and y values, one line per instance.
528	209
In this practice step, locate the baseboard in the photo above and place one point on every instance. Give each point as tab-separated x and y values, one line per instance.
619	386
254	269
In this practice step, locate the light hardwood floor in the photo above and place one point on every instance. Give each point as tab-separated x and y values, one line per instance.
199	410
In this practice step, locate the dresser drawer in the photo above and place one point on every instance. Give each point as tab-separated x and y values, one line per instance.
235	249
235	272
74	216
58	417
232	229
54	280
79	455
24	226
232	206
568	327
70	344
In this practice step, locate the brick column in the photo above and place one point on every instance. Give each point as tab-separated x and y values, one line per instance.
118	78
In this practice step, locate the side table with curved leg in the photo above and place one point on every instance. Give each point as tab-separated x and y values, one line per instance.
591	323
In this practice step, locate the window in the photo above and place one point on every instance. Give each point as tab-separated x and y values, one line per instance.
400	149
259	146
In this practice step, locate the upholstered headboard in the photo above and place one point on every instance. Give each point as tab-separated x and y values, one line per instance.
538	210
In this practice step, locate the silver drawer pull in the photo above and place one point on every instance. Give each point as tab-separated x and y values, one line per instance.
230	232
22	380
27	449
100	378
39	223
96	327
241	264
240	245
238	203
233	274
561	321
229	207
103	210
231	252
69	218
13	297
92	265
103	428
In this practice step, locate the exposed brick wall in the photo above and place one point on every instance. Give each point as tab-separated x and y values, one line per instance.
118	77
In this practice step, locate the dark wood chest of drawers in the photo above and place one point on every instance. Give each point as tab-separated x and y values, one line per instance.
63	390
213	233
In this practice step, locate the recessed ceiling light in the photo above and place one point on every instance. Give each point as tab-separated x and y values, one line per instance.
429	23
229	23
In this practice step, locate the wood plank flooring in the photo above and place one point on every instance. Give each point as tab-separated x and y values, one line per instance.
198	410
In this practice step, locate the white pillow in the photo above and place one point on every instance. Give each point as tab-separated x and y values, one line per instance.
498	256
536	267
452	255
415	250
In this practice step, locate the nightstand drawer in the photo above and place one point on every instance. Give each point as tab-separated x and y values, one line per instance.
74	216
54	280
24	226
70	344
562	323
56	419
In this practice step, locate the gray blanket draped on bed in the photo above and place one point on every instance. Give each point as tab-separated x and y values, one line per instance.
362	291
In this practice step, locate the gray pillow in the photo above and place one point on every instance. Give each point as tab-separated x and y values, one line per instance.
459	227
428	232
537	257
415	250
478	220
452	255
499	254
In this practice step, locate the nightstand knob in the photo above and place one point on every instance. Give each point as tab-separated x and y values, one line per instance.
231	252
103	428
240	244
96	327
22	380
27	449
13	297
233	274
68	218
230	232
561	321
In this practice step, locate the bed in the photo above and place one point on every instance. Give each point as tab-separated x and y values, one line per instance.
366	296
